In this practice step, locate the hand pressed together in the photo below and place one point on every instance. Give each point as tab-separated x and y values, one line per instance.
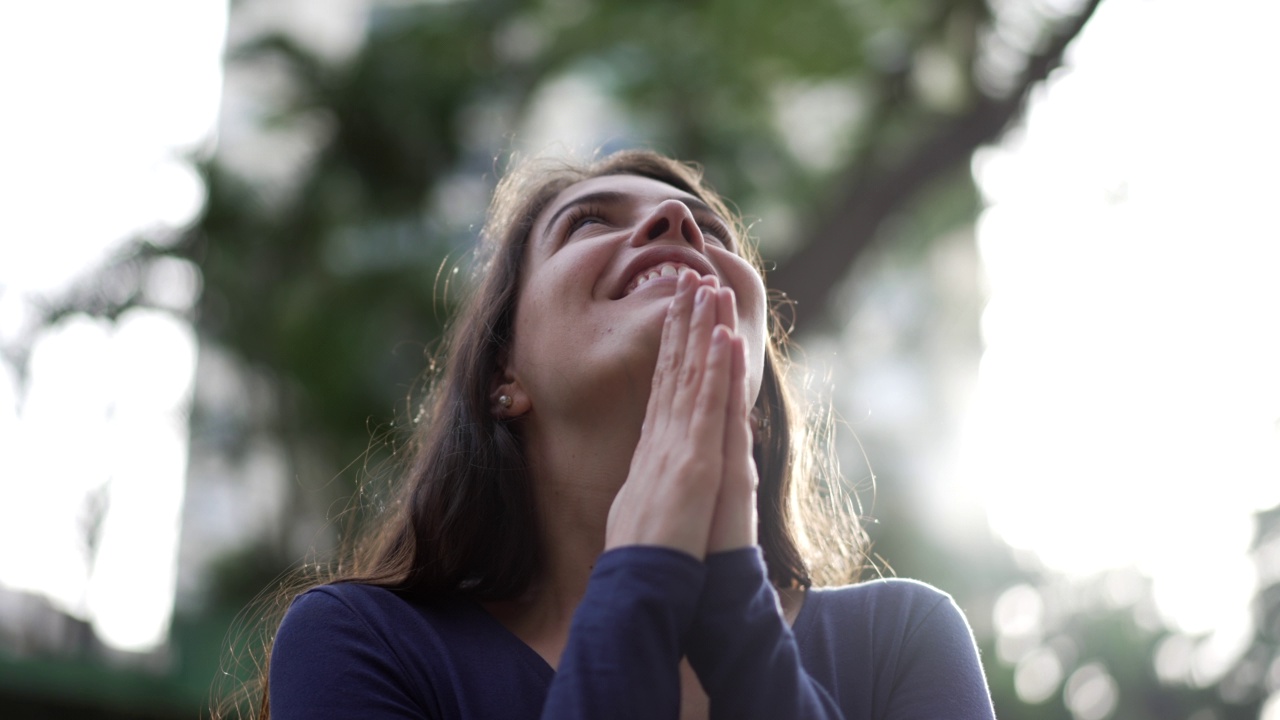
691	484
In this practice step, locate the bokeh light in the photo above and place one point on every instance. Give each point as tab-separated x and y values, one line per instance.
1128	401
108	104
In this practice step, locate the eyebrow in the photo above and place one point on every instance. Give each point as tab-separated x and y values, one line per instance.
612	197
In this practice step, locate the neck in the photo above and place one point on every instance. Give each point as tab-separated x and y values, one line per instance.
576	469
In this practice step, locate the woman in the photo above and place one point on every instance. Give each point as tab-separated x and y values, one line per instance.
577	534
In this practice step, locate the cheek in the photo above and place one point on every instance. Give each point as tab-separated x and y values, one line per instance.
551	287
751	305
749	290
753	320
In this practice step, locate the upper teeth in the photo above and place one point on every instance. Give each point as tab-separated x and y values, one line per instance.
666	269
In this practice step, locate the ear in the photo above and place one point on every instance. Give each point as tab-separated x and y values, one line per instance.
507	401
759	425
507	398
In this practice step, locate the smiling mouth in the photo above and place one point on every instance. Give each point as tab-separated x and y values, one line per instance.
667	269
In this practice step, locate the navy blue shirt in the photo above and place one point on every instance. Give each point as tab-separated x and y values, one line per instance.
893	649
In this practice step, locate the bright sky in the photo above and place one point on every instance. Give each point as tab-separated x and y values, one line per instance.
103	100
1128	407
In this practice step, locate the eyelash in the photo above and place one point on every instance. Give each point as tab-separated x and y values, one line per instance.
718	231
575	220
578	216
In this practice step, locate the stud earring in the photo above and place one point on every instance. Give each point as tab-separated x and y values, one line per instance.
505	401
759	426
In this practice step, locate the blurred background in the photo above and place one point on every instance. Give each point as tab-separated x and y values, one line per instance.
1032	243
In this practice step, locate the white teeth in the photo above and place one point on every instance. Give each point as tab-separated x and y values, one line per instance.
666	269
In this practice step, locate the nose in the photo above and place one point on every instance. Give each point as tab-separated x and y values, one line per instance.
669	219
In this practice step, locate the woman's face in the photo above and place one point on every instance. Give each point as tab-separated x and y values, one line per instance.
599	271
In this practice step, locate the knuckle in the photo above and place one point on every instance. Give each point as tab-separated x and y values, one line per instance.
689	374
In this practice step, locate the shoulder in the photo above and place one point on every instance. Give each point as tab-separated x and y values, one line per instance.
896	597
372	618
345	599
352	650
354	611
359	647
334	596
885	612
335	655
339	619
908	638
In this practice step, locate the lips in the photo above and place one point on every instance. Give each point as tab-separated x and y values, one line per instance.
661	263
665	270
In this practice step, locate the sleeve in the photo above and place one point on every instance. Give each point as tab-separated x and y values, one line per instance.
744	652
625	643
327	664
939	672
747	658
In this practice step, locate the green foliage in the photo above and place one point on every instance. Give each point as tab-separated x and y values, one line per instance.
330	286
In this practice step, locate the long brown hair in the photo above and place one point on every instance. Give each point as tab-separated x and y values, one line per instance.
463	520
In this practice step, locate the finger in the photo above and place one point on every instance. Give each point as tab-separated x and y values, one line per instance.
701	324
710	282
727	309
734	523
737	432
737	415
675	337
709	417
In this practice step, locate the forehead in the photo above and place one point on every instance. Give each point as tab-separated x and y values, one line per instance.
642	189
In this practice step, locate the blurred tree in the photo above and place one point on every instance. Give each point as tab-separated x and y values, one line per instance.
832	121
317	285
327	283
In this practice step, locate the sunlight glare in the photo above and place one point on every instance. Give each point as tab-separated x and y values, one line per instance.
1271	708
117	99
131	589
1128	399
98	156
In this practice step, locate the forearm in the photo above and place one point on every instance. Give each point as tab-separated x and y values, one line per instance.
623	655
743	650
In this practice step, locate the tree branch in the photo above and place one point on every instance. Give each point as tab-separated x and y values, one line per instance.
870	197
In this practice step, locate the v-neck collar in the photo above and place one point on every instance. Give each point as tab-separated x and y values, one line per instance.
503	636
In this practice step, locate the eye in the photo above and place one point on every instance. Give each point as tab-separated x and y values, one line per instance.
582	217
714	229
